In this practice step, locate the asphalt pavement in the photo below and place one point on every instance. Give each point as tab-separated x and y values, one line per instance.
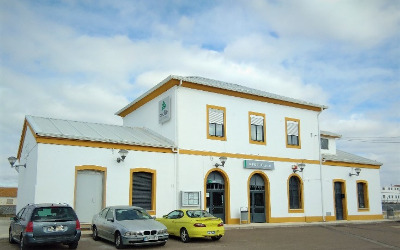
5	223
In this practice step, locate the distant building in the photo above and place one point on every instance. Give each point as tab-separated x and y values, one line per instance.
391	194
8	200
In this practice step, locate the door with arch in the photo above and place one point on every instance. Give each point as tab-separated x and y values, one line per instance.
257	199
215	195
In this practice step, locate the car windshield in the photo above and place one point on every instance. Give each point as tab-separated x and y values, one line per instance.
53	214
198	213
131	214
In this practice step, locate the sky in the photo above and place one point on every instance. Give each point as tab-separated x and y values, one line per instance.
85	60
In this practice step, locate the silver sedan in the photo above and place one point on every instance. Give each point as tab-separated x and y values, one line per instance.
128	225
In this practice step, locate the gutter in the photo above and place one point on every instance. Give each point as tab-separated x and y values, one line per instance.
320	169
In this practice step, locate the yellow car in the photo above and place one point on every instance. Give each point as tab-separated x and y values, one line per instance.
187	223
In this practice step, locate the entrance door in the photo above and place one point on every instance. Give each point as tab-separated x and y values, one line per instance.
89	194
216	195
257	199
339	196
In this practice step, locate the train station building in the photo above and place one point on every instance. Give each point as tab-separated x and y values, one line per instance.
245	155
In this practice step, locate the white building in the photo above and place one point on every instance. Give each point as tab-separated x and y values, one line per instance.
174	136
391	194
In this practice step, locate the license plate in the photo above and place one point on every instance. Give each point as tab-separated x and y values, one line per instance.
210	232
147	238
55	228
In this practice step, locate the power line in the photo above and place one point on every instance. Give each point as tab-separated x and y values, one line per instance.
373	139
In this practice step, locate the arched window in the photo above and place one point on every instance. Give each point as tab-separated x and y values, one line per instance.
295	194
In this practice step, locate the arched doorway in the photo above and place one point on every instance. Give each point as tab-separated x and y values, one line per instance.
215	195
257	199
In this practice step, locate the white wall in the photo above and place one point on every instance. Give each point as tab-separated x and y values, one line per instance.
147	116
55	180
27	176
371	176
193	126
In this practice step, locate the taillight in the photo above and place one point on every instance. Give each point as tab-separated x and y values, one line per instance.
29	227
78	225
221	224
199	225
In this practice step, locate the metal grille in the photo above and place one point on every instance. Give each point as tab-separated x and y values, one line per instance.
142	189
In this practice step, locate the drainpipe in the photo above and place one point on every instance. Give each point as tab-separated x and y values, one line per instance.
177	147
320	169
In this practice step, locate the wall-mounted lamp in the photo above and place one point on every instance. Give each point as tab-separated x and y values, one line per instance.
357	170
223	160
123	154
12	161
295	167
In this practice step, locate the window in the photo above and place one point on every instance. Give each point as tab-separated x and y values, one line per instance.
216	117
292	133
9	201
295	194
362	195
143	189
257	128
324	143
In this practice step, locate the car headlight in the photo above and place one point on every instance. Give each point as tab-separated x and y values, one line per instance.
162	231
133	234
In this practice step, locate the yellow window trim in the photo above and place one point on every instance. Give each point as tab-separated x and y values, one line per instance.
366	196
153	187
344	203
267	195
301	195
92	168
264	129
208	126
286	134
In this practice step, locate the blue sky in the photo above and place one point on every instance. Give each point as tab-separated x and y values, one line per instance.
85	60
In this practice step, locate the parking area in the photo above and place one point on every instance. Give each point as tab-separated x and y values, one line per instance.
339	235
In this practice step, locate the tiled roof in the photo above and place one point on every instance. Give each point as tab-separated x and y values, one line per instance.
342	156
98	132
222	85
8	192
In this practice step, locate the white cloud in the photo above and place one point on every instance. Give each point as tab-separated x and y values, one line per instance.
89	63
365	23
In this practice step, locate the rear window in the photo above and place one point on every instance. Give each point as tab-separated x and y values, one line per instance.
53	214
198	213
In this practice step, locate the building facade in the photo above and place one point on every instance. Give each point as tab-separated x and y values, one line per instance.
391	194
200	143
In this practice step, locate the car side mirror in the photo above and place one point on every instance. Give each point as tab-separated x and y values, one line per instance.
165	216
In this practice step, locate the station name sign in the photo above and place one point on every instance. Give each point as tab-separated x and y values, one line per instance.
264	165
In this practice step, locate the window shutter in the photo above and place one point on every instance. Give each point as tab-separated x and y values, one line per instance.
216	116
292	128
257	120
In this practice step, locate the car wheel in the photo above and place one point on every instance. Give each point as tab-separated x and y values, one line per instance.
10	238
95	234
216	237
73	245
22	245
118	241
185	235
